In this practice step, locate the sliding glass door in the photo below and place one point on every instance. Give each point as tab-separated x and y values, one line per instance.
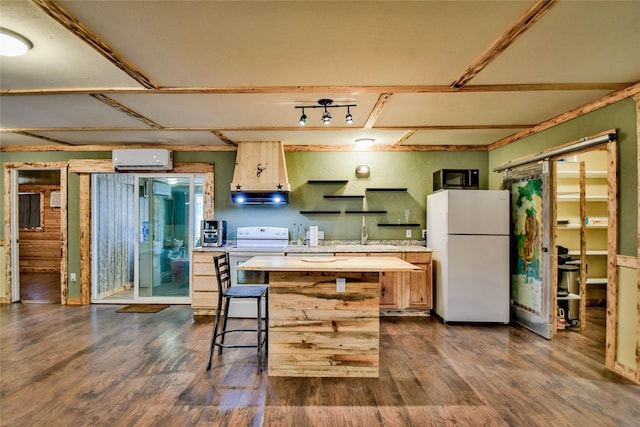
144	228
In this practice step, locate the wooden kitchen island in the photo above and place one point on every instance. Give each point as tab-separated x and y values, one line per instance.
320	325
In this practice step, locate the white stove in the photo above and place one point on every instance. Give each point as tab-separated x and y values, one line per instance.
276	238
250	242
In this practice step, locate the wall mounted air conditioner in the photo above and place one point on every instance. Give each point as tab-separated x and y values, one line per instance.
142	159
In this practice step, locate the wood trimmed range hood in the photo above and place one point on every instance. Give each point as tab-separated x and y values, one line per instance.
260	176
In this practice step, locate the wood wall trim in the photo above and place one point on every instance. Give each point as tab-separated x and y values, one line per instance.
570	115
525	22
106	166
85	238
8	167
64	234
627	261
637	373
6	296
612	252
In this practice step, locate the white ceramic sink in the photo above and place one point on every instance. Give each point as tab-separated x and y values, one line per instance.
365	248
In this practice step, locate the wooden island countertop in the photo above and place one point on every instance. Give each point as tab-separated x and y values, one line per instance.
324	318
328	263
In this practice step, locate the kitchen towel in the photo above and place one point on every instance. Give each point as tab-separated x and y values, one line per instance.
313	235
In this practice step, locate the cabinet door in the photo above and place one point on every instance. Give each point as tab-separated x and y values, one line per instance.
390	289
419	283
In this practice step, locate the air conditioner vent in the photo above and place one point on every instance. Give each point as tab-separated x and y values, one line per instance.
142	159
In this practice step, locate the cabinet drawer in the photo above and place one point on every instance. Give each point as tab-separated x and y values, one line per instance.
204	283
417	257
204	299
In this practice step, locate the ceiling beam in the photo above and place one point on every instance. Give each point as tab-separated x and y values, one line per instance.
569	115
377	110
213	148
528	87
217	130
124	109
525	22
68	21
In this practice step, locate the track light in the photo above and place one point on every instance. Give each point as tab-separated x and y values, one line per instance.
349	117
326	116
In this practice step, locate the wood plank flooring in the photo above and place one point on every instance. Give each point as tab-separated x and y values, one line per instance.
88	365
40	287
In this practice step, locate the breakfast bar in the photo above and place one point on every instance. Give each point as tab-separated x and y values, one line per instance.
324	313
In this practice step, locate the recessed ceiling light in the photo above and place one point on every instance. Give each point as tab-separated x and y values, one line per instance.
13	44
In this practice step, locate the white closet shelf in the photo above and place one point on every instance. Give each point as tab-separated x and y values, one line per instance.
568	297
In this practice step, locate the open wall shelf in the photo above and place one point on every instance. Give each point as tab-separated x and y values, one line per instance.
320	212
365	212
327	181
343	196
379	189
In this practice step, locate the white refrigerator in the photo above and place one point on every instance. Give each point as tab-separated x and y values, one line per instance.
468	231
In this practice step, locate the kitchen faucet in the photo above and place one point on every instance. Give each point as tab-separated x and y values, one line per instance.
363	232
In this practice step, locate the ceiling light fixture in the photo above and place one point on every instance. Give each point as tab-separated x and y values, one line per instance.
365	142
348	117
326	116
13	44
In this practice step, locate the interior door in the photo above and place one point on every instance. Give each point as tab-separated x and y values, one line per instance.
531	247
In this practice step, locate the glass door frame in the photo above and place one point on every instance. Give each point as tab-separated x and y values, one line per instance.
138	231
188	244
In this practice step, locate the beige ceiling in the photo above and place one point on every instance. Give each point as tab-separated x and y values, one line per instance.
214	73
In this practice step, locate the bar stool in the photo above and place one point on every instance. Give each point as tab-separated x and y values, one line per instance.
228	292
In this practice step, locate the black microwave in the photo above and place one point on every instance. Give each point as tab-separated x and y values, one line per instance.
447	179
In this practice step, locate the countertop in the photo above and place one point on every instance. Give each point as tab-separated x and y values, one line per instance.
327	264
334	246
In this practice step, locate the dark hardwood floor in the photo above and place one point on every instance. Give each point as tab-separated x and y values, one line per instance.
40	287
88	365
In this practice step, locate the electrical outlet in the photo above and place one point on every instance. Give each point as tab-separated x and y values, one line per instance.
408	234
424	233
72	277
341	284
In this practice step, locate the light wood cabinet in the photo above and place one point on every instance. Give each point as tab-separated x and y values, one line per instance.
404	291
399	292
204	288
419	283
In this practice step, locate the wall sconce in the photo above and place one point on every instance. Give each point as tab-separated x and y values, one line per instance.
326	116
363	171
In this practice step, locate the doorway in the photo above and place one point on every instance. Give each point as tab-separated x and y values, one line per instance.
582	241
38	234
142	250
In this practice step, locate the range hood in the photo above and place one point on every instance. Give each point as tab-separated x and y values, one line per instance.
260	176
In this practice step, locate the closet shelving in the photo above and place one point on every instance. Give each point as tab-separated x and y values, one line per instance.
582	221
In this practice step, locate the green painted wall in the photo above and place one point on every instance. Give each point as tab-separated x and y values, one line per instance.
620	116
412	170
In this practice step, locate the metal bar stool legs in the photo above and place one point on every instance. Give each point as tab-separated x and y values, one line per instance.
226	292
